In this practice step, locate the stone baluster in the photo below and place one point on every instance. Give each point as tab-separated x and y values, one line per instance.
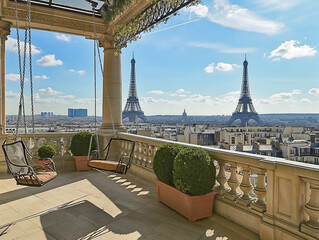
221	178
67	146
245	199
145	154
311	227
135	153
260	191
150	156
140	153
233	183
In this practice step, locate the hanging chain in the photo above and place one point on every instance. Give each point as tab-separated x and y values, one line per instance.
94	63
22	74
96	46
30	66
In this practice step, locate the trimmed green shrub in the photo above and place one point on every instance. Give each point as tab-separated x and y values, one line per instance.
194	171
164	160
81	142
46	151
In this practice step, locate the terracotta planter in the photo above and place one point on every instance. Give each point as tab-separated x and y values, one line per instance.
192	207
81	163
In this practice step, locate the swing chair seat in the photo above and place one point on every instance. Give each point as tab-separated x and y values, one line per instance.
108	165
43	177
118	156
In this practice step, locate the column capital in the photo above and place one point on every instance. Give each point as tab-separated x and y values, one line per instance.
106	41
5	29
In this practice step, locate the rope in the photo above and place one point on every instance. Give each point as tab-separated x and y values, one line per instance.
102	71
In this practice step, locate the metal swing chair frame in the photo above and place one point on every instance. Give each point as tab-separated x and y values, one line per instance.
115	157
118	153
16	153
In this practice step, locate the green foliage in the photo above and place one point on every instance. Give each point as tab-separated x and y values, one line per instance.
81	142
164	160
194	171
46	151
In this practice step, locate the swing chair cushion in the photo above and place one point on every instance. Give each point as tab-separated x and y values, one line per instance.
103	164
119	153
43	177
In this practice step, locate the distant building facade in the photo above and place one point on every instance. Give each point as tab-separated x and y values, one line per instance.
46	114
77	112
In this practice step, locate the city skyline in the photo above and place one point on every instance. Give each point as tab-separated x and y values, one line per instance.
194	62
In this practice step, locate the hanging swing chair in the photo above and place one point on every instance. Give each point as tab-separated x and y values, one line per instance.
118	153
115	157
17	155
15	151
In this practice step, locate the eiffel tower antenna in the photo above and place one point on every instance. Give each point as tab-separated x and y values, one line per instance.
132	109
245	109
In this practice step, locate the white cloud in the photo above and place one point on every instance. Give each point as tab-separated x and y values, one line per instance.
289	50
226	67
283	97
221	66
43	77
199	10
220	47
296	91
67	96
51	100
10	94
13	77
12	45
209	68
179	91
156	92
314	91
48	91
49	61
234	16
305	100
81	72
63	37
86	100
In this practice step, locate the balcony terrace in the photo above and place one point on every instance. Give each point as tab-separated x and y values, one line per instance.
260	198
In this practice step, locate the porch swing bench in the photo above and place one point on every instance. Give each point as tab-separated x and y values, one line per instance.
16	155
118	156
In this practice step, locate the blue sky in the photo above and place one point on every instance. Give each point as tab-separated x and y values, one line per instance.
193	62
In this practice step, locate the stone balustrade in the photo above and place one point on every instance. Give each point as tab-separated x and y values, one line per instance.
273	197
61	142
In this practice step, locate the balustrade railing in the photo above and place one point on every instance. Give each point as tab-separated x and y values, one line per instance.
269	192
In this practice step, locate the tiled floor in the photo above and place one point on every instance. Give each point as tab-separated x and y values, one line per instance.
98	205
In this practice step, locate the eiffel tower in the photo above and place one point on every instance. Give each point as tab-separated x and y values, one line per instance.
132	109
245	109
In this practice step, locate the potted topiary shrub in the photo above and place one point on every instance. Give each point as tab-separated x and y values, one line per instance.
194	176
44	152
80	145
164	160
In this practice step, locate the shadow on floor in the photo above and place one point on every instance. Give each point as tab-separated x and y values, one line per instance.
80	220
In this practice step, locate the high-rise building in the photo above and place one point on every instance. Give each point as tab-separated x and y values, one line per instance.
77	112
245	109
132	109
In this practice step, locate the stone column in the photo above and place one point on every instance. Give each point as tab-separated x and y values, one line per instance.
112	90
4	32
